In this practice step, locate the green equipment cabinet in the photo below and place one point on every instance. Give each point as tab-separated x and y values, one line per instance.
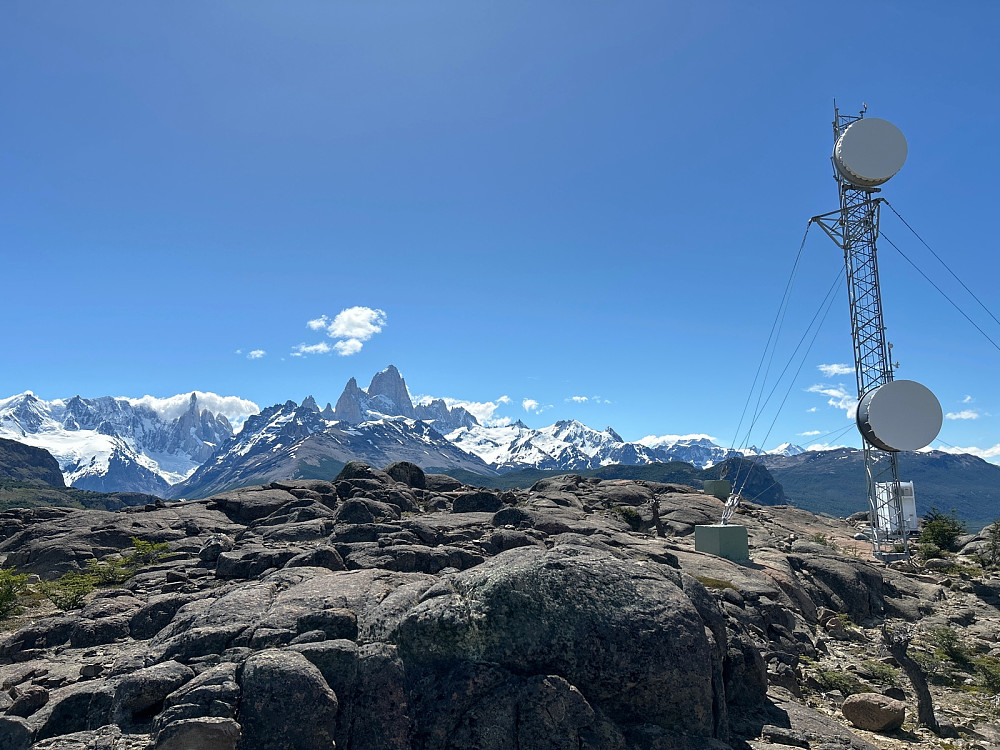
723	540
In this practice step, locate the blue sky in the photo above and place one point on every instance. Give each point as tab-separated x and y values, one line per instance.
533	200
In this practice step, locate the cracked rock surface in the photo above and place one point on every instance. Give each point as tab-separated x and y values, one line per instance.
398	610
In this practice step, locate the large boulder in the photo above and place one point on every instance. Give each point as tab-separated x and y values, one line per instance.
15	733
139	695
208	733
409	474
874	712
624	635
286	703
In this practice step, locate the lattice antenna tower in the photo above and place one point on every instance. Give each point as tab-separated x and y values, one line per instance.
892	416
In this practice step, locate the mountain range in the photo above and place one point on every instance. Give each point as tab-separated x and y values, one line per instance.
118	444
115	444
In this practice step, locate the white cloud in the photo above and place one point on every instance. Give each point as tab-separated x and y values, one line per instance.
834	370
964	414
347	347
235	409
503	400
838	397
530	404
811	410
256	354
360	323
968	400
809	433
302	349
579	399
352	325
239	351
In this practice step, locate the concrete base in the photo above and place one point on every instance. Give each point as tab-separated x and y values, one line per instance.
723	540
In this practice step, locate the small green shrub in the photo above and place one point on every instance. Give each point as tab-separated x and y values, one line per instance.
929	551
12	586
629	515
110	572
881	673
147	553
69	591
845	620
989	554
949	645
819	539
988	668
941	529
845	682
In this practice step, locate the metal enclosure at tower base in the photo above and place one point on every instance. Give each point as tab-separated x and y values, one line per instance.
907	522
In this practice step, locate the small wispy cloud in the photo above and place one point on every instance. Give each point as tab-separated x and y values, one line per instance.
301	350
810	433
811	410
352	326
579	399
831	371
968	400
530	405
256	354
838	397
964	414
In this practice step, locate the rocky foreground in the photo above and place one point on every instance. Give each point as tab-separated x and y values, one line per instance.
396	610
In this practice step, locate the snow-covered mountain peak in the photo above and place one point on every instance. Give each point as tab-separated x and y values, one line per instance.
110	443
787	449
388	397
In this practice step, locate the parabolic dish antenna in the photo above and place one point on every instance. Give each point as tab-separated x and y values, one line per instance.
899	416
869	152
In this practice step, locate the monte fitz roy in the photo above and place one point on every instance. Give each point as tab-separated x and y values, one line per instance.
191	450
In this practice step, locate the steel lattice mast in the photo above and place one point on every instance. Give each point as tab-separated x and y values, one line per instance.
855	229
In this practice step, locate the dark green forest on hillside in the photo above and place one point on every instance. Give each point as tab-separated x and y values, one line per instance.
14	494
